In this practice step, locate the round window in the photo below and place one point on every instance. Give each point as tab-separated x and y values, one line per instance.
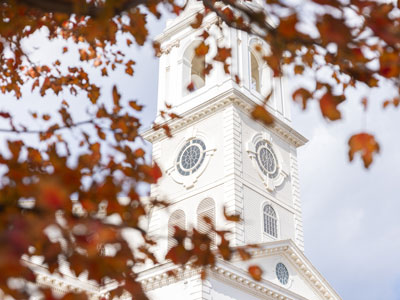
191	157
266	159
282	273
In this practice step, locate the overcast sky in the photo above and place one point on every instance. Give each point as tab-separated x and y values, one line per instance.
351	215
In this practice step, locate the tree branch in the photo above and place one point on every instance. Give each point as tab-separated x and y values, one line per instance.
3	130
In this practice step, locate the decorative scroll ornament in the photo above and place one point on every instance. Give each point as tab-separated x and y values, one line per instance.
191	159
267	161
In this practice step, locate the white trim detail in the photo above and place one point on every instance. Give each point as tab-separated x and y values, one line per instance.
270	183
189	180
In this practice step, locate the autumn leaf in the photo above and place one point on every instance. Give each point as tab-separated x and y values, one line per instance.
328	104
366	145
303	96
199	20
244	255
135	106
190	87
333	30
222	54
261	114
255	272
232	218
298	69
287	26
201	49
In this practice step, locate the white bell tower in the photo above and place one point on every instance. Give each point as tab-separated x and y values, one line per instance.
220	157
218	151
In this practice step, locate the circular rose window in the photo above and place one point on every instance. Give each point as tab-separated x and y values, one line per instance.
282	273
266	159
191	157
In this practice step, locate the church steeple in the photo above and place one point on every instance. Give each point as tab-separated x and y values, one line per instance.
179	66
218	154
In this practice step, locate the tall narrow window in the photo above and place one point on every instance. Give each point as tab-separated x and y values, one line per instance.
270	221
197	75
178	219
206	208
255	74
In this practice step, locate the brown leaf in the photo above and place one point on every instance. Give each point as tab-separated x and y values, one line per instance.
232	218
298	69
199	20
302	95
287	26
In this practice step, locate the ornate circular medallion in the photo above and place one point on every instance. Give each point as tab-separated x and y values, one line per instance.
282	273
266	159
190	157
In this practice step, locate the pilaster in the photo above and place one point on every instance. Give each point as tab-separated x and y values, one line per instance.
199	289
233	169
298	219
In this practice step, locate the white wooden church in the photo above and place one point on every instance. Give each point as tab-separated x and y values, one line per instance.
219	156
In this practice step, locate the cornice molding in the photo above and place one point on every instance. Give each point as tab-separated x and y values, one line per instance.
240	279
63	283
158	276
230	97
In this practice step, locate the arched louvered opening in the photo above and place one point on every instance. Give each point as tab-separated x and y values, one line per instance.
193	68
197	75
178	219
270	221
206	208
255	74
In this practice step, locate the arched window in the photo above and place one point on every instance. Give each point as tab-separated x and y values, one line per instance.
193	67
255	74
178	219
197	75
270	221
206	208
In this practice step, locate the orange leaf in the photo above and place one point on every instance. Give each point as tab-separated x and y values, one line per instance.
328	104
244	255
222	54
255	272
116	95
135	106
201	49
364	102
261	114
365	144
232	218
139	152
